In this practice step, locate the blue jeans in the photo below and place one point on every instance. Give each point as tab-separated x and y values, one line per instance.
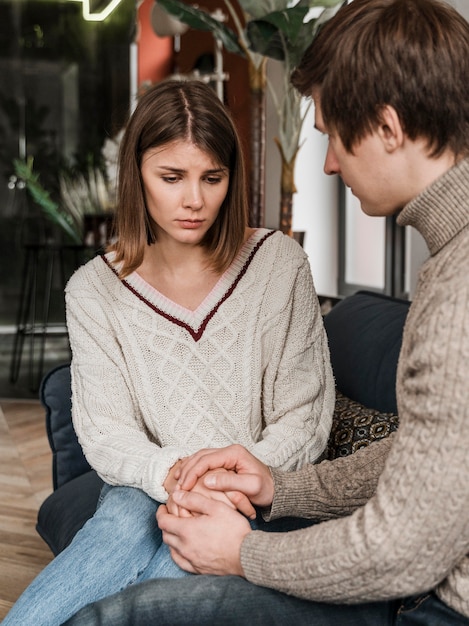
119	546
232	601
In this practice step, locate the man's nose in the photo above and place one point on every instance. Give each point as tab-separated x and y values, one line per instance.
331	164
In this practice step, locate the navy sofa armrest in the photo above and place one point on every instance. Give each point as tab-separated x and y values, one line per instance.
365	336
68	460
76	485
67	509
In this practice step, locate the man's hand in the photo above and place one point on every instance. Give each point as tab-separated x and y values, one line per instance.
208	542
245	474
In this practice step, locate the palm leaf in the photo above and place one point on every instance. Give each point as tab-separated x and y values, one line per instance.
24	170
201	20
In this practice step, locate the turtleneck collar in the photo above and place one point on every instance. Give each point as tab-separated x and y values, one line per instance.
441	211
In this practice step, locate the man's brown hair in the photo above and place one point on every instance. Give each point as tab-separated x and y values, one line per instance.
410	54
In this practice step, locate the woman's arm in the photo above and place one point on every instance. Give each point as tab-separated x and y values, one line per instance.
106	414
298	386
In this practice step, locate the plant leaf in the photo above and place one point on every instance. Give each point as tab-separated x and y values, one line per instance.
201	20
276	34
24	170
258	8
265	39
288	21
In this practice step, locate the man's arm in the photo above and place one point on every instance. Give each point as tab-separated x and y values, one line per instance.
198	544
324	491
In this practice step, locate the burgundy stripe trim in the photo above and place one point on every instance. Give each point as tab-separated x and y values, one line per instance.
196	334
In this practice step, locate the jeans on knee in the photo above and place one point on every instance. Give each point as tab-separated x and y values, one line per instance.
105	556
231	601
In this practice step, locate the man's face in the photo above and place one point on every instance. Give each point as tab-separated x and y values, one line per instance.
367	171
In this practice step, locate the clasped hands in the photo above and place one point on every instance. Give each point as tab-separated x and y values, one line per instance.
211	494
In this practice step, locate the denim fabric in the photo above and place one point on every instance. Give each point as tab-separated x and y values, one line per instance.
162	566
232	601
228	600
109	553
427	610
120	545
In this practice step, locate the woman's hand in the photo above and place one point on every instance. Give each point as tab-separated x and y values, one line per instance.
233	499
171	481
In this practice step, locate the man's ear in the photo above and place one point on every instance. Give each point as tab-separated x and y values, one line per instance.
389	128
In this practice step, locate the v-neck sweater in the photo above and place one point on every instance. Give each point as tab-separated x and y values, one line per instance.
153	382
403	503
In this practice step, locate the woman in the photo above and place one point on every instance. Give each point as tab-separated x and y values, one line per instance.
193	331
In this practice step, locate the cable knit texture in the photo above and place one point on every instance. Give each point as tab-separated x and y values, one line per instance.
412	533
153	382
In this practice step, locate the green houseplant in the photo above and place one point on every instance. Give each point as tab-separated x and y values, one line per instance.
81	195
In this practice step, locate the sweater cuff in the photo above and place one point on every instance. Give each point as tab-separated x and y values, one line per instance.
329	489
282	495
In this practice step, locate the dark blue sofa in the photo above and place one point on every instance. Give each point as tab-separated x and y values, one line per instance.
365	335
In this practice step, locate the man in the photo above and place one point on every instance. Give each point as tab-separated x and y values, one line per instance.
390	83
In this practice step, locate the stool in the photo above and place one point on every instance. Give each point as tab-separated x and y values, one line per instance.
50	256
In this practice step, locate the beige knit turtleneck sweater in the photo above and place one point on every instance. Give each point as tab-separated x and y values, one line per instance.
402	505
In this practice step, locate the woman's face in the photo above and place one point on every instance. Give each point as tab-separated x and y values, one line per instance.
184	190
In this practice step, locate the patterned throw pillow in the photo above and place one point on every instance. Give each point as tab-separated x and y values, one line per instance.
354	426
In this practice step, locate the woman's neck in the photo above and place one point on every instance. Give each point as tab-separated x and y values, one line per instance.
184	275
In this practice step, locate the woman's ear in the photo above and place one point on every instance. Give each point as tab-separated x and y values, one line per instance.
390	129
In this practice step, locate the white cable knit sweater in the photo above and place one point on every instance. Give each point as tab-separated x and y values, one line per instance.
153	382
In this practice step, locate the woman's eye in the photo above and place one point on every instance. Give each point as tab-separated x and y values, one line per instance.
213	180
170	179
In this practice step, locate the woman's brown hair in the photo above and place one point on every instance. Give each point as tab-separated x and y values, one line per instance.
171	111
410	54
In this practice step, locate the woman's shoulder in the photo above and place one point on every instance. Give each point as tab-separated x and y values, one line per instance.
282	245
87	274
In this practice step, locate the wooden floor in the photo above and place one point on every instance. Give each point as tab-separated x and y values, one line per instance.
25	481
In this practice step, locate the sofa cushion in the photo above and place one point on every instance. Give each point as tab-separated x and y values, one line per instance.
355	426
365	336
68	460
67	509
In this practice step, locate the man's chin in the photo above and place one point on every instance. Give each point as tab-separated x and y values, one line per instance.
378	211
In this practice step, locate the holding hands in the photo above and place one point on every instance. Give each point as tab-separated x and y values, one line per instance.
202	511
244	474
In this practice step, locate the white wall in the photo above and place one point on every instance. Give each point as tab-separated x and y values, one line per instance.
315	208
462	6
315	205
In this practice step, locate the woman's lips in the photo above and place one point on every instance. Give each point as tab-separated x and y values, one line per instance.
191	224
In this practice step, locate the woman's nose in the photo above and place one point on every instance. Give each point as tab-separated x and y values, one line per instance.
193	197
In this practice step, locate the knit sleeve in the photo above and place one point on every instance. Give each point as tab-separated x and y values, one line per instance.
414	531
330	489
106	415
298	385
